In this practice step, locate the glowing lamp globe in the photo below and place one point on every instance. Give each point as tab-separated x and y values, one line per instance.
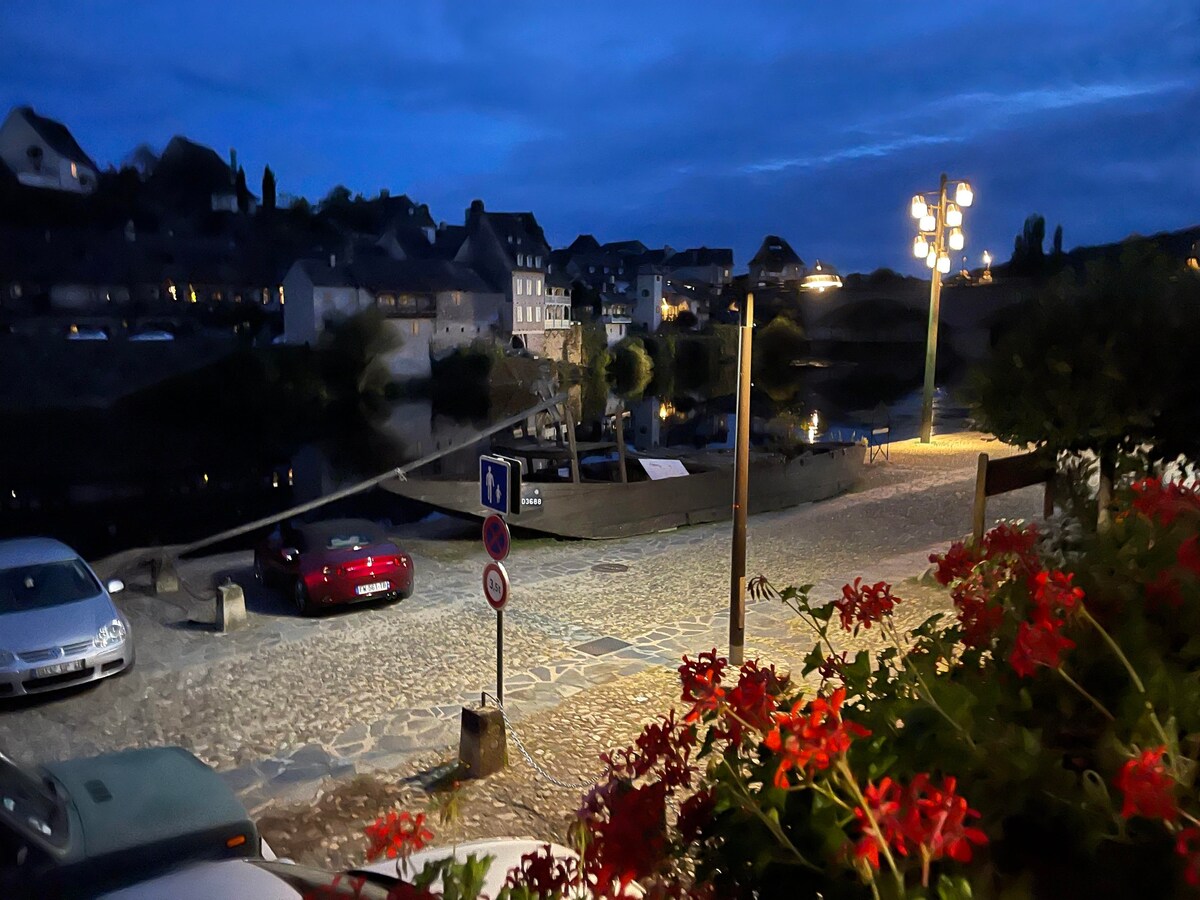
953	215
957	239
920	247
963	195
919	209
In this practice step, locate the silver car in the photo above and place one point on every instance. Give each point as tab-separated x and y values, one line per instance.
58	624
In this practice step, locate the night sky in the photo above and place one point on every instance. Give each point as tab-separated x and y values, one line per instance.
685	124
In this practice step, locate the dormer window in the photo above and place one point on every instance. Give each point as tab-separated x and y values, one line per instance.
510	238
537	261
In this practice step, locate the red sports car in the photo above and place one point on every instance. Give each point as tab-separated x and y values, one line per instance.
334	562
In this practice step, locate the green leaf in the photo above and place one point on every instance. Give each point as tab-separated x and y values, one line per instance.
949	888
814	660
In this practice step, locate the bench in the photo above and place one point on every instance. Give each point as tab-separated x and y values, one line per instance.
1010	473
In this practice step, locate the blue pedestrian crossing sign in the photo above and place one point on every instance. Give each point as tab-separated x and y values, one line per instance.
500	484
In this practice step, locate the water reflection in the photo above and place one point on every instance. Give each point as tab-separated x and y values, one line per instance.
105	484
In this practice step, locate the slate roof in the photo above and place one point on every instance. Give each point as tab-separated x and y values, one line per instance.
775	253
701	256
56	135
382	274
625	248
585	243
527	235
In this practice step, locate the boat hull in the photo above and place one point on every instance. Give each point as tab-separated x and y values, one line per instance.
602	509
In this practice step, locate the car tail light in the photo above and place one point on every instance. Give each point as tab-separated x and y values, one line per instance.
377	564
235	841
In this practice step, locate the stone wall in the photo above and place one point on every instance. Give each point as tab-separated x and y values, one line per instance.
563	344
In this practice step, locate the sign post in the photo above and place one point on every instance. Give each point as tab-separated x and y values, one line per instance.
500	484
495	590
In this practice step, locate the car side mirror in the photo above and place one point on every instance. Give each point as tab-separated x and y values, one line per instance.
290	554
115	585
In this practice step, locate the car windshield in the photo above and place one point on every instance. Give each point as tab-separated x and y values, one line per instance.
45	584
31	806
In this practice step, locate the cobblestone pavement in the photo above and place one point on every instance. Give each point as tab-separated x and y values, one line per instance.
360	708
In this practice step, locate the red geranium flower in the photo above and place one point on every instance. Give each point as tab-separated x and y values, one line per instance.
863	604
978	615
397	835
920	819
631	843
752	702
935	819
810	740
1187	845
955	563
1054	596
1011	540
1038	645
1165	502
701	678
1148	787
543	873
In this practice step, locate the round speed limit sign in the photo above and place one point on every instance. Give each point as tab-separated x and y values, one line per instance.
495	585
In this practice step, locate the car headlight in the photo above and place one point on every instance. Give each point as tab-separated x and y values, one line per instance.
109	635
6	658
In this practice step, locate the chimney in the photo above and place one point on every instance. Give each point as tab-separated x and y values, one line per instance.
475	211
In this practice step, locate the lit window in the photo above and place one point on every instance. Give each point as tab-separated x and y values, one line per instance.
520	314
537	261
74	171
520	259
415	327
538	286
537	313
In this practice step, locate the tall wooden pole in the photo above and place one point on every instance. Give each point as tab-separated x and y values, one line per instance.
935	299
741	491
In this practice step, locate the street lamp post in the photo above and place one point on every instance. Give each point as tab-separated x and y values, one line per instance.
741	489
938	231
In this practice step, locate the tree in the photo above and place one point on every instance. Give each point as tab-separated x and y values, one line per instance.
268	188
339	197
1103	365
1058	251
1028	256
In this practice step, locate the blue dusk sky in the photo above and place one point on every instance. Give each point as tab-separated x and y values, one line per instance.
691	123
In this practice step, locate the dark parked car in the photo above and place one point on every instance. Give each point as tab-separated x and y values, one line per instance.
335	562
83	827
58	624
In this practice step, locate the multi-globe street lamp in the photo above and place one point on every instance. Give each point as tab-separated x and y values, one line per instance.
939	230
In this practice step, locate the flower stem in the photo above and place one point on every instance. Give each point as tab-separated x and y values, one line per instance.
927	693
1137	682
852	784
774	827
1096	703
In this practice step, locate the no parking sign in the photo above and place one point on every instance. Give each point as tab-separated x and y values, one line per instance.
496	538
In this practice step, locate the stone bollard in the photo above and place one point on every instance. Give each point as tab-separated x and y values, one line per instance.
231	606
163	575
482	742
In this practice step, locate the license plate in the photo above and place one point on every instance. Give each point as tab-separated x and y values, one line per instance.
373	588
58	669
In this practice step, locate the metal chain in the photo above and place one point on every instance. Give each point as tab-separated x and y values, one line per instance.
568	785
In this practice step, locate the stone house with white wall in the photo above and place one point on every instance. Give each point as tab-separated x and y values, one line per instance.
42	153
